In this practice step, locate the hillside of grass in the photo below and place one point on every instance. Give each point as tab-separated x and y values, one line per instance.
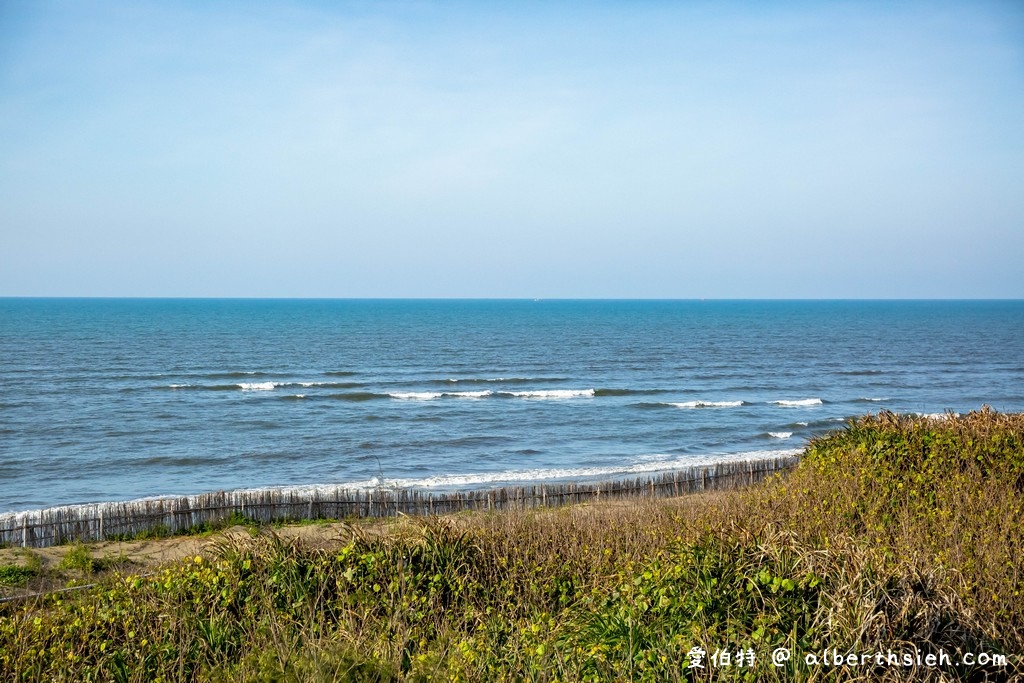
894	534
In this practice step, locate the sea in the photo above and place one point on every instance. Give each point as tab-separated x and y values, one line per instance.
119	399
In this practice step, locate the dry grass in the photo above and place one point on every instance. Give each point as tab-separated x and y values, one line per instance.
895	533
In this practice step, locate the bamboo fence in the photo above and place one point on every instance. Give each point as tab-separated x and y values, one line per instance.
170	515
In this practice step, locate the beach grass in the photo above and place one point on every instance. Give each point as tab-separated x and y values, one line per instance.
896	534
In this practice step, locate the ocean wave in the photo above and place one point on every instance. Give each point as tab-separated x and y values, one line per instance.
232	375
825	422
803	402
501	380
549	393
646	464
242	386
427	395
526	393
205	387
416	395
641	464
257	386
872	400
431	395
200	376
780	435
653	457
939	416
263	386
707	404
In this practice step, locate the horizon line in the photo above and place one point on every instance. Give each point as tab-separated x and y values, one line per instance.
472	298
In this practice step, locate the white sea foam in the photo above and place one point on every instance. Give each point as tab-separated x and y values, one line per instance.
550	393
780	435
476	380
642	464
802	424
256	386
653	457
330	384
799	403
431	395
940	416
708	404
874	400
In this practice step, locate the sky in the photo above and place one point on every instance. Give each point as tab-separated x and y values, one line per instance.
526	149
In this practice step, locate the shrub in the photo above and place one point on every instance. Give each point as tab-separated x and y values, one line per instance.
894	532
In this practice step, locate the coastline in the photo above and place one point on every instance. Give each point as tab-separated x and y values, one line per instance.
896	534
215	405
173	515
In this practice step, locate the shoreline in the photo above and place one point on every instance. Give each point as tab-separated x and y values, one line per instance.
92	522
450	482
896	532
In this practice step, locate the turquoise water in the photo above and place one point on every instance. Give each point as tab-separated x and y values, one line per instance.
120	399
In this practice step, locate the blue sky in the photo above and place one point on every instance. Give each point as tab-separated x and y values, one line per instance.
550	149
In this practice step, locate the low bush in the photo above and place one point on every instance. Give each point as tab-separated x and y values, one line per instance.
895	533
15	575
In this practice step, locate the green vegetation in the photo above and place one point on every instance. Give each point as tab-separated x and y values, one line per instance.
15	575
78	559
895	533
18	574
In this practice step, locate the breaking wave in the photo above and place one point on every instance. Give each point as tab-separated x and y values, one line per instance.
549	393
258	386
707	404
500	380
648	463
431	395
